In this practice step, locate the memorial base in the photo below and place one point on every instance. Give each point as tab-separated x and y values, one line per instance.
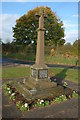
31	88
38	85
39	73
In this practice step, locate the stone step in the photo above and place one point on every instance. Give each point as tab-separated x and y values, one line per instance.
42	84
45	93
21	89
29	86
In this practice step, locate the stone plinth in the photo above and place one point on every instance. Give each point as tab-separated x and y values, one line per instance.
39	73
36	89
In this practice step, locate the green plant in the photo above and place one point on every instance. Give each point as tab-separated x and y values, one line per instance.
12	96
65	84
60	99
22	106
8	90
46	103
40	103
57	100
4	86
10	82
19	103
75	94
64	97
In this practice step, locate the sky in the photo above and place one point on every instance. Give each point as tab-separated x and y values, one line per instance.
67	11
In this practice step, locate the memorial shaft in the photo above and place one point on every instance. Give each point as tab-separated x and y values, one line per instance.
40	42
39	71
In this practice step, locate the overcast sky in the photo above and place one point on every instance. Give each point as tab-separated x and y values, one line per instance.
67	11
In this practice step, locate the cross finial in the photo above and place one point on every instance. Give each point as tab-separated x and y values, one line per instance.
42	12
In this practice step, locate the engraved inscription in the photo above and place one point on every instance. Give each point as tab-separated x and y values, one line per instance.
43	74
33	73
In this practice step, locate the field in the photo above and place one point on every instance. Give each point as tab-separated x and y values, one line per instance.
59	59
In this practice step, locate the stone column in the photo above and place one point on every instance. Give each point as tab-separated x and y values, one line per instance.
39	70
40	43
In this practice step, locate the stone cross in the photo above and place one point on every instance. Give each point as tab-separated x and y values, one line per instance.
40	41
39	69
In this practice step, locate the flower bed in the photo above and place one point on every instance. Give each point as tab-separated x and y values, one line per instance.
25	105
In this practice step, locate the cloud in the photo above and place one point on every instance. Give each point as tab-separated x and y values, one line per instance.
68	24
6	23
71	31
75	15
71	36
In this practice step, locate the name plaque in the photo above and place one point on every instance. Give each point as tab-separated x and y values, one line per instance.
33	73
43	74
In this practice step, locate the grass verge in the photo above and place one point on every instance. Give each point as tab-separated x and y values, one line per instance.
15	72
23	71
65	74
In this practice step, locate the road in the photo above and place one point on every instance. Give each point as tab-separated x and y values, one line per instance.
7	61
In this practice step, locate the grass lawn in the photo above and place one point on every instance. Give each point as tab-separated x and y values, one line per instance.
65	73
16	72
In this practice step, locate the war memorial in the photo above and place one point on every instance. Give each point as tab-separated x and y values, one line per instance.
38	89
